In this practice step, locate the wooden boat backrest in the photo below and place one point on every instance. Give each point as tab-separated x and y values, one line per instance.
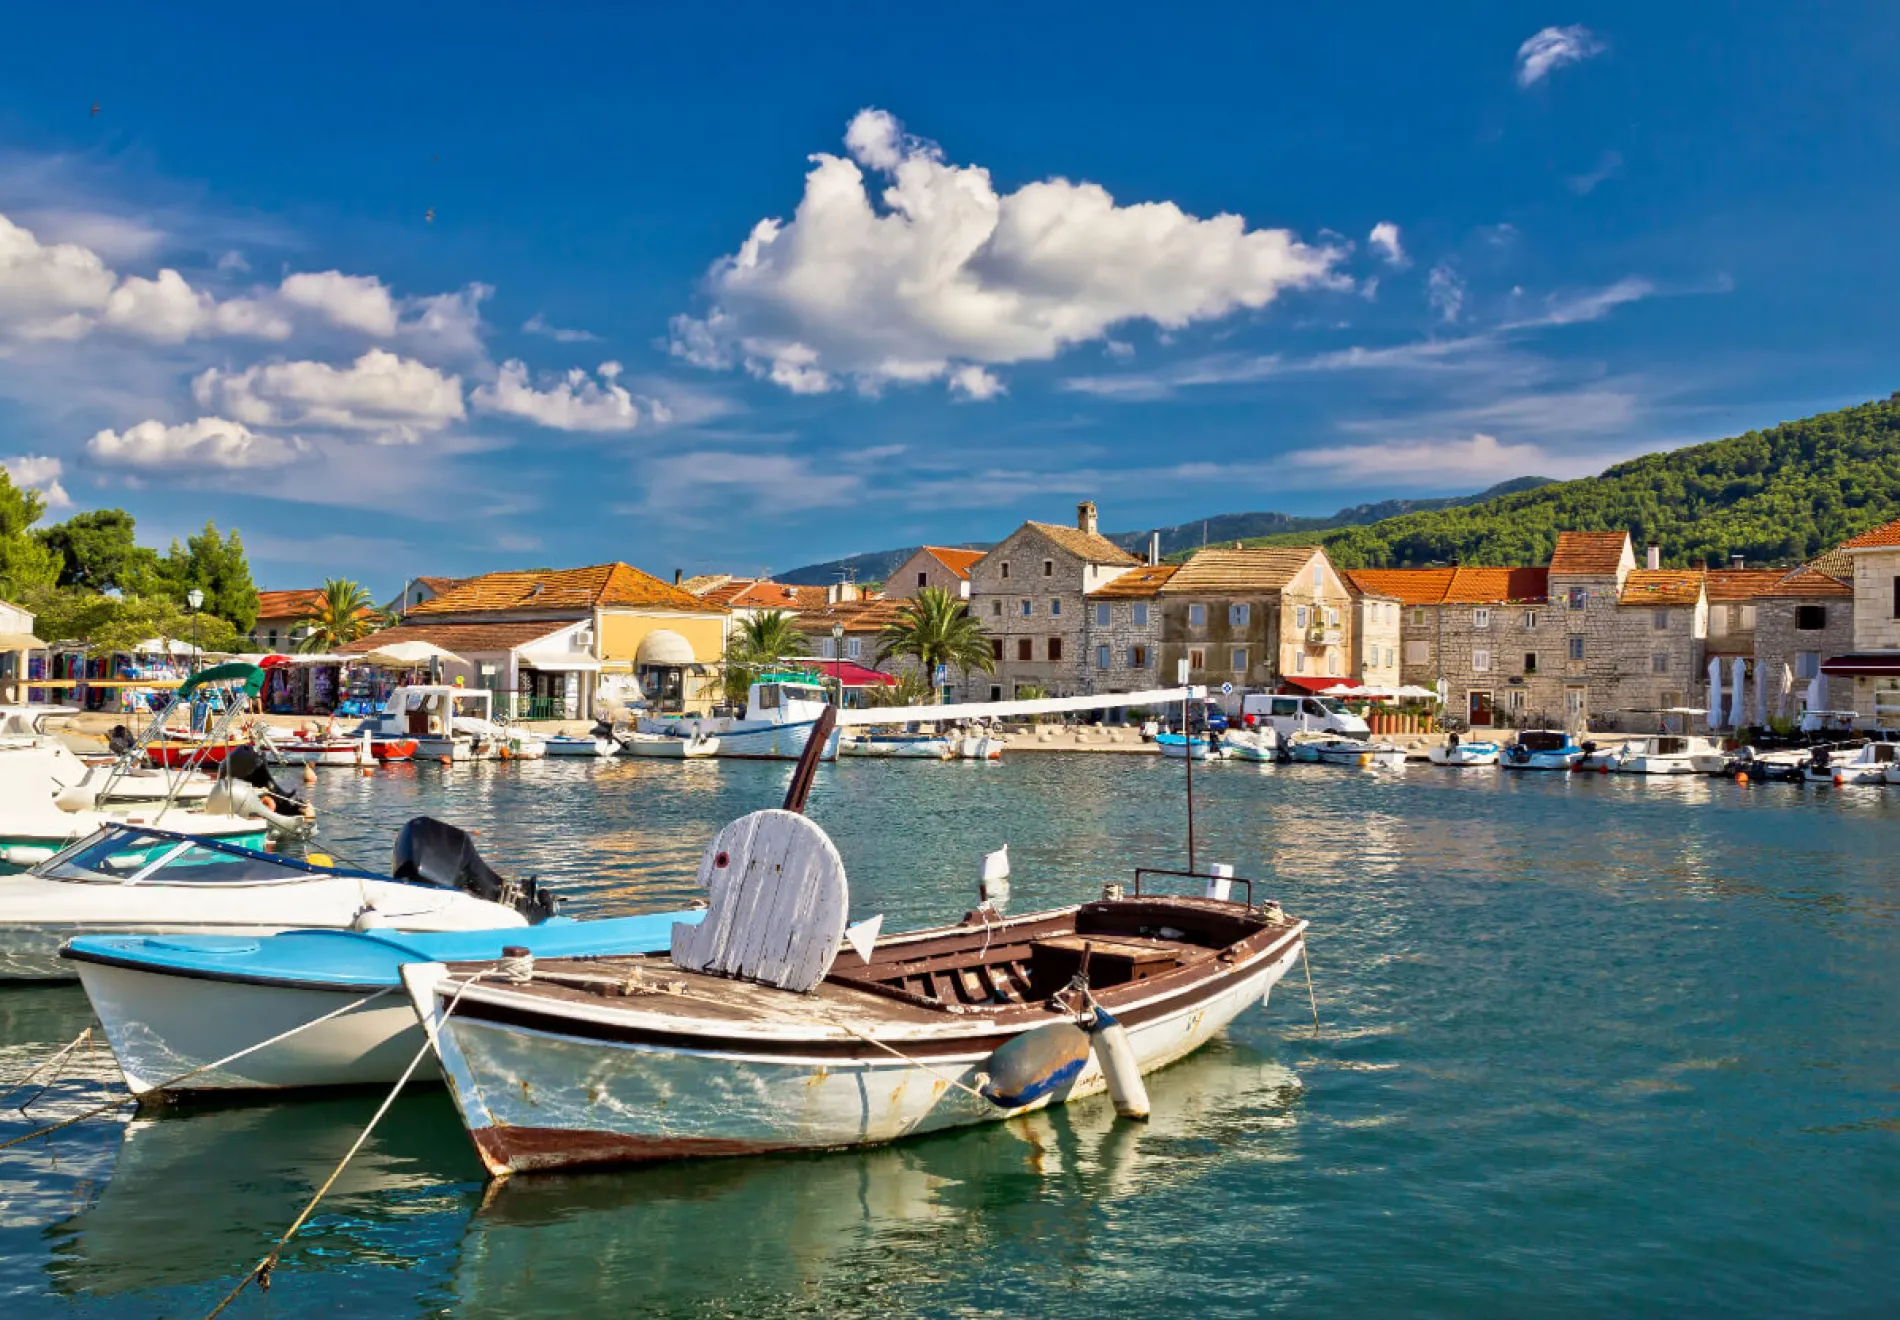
776	904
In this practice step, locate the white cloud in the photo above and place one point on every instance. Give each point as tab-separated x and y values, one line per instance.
354	302
538	325
975	383
48	291
1553	48
682	483
1445	290
1592	306
396	399
209	442
1384	240
112	237
1608	165
1481	457
233	263
449	323
576	402
168	310
38	472
940	271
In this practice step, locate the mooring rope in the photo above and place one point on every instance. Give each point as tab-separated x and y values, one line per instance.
166	1085
262	1270
43	1065
1310	997
944	1077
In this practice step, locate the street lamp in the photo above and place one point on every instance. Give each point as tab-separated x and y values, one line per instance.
837	659
194	598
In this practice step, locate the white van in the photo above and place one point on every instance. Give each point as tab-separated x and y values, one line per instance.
1288	715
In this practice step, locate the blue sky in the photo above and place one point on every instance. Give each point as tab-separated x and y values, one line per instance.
439	289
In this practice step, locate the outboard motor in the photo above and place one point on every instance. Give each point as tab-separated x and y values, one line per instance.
433	852
245	765
1820	757
119	740
1590	748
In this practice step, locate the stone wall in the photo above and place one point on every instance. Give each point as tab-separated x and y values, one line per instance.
1125	632
1779	642
1876	623
1014	573
903	581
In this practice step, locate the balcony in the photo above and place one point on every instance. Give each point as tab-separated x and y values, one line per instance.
1319	637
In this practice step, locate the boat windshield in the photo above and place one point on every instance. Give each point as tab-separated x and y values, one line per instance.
1540	740
126	855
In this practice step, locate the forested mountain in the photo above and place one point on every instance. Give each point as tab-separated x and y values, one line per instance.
877	565
1778	496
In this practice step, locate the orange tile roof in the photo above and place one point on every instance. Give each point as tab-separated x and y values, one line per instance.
957	561
1887	534
1141	584
1809	582
1742	583
1414	586
287	604
441	584
1463	585
462	638
1266	568
569	589
757	594
1662	586
1594	553
857	616
1090	546
1834	564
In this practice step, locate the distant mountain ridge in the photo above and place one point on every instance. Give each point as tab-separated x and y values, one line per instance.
878	565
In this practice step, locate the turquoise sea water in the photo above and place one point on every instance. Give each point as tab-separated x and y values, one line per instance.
1590	1046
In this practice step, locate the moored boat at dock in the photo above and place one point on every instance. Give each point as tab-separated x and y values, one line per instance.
1542	749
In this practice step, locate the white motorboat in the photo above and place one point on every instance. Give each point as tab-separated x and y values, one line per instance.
1182	748
447	723
319	747
780	712
562	744
1458	753
1334	749
758	1037
979	747
115	779
672	746
1672	754
1870	764
1261	743
1542	749
901	746
129	879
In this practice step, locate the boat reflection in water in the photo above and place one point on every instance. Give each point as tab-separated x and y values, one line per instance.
838	1231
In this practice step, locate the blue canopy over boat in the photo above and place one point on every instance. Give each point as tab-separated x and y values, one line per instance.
372	959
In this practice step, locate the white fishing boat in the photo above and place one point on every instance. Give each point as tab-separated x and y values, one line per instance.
758	1036
1672	754
1869	764
1334	749
669	746
1181	748
1460	753
780	710
1260	743
979	747
138	880
318	747
447	723
596	745
899	746
1542	749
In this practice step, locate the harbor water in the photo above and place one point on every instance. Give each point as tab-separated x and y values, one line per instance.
1589	1045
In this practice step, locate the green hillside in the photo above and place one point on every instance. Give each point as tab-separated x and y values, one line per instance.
1778	496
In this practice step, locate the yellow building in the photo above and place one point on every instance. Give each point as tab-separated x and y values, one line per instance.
571	643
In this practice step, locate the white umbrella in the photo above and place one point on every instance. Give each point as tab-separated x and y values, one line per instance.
409	655
1787	691
1715	692
1738	700
1413	692
1761	697
1343	690
1817	692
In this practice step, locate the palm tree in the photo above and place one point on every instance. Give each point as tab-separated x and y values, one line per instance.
764	641
936	629
912	688
342	612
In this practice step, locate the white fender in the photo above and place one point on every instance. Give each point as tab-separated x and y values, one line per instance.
1116	1054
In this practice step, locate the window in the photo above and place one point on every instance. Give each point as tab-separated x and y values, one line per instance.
1418	616
828	648
1101	657
1391	657
1332	662
996	648
1418	653
1746	616
1237	615
853	647
1048	568
1807	664
1055	608
1025	649
1197	616
1141	616
1137	657
1480	662
273	639
1577	596
1240	660
1515	700
1530	620
1662	620
1481	618
1005	568
1659	663
1530	662
1197	659
996	692
1299	616
1028	606
1055	648
1669	700
996	607
1810	618
1299	662
1101	616
923	579
1576	648
1319	576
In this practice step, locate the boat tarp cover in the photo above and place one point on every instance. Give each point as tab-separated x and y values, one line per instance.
235	671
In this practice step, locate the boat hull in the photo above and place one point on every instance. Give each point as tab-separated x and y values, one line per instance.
330	752
670	749
540	1099
1462	757
771	742
900	748
1543	761
1657	765
172	755
584	747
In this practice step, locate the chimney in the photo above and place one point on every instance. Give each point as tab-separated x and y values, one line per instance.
1737	562
1653	557
678	573
1085	516
1154	548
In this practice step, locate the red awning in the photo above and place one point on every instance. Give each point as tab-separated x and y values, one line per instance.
1301	683
852	674
1864	664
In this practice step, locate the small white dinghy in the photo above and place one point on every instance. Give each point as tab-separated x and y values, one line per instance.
563	744
1455	752
1256	744
670	746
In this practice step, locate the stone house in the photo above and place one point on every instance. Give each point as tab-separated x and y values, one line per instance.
280	622
1029	594
1257	619
1657	654
1804	619
1121	638
1376	637
1873	666
933	566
